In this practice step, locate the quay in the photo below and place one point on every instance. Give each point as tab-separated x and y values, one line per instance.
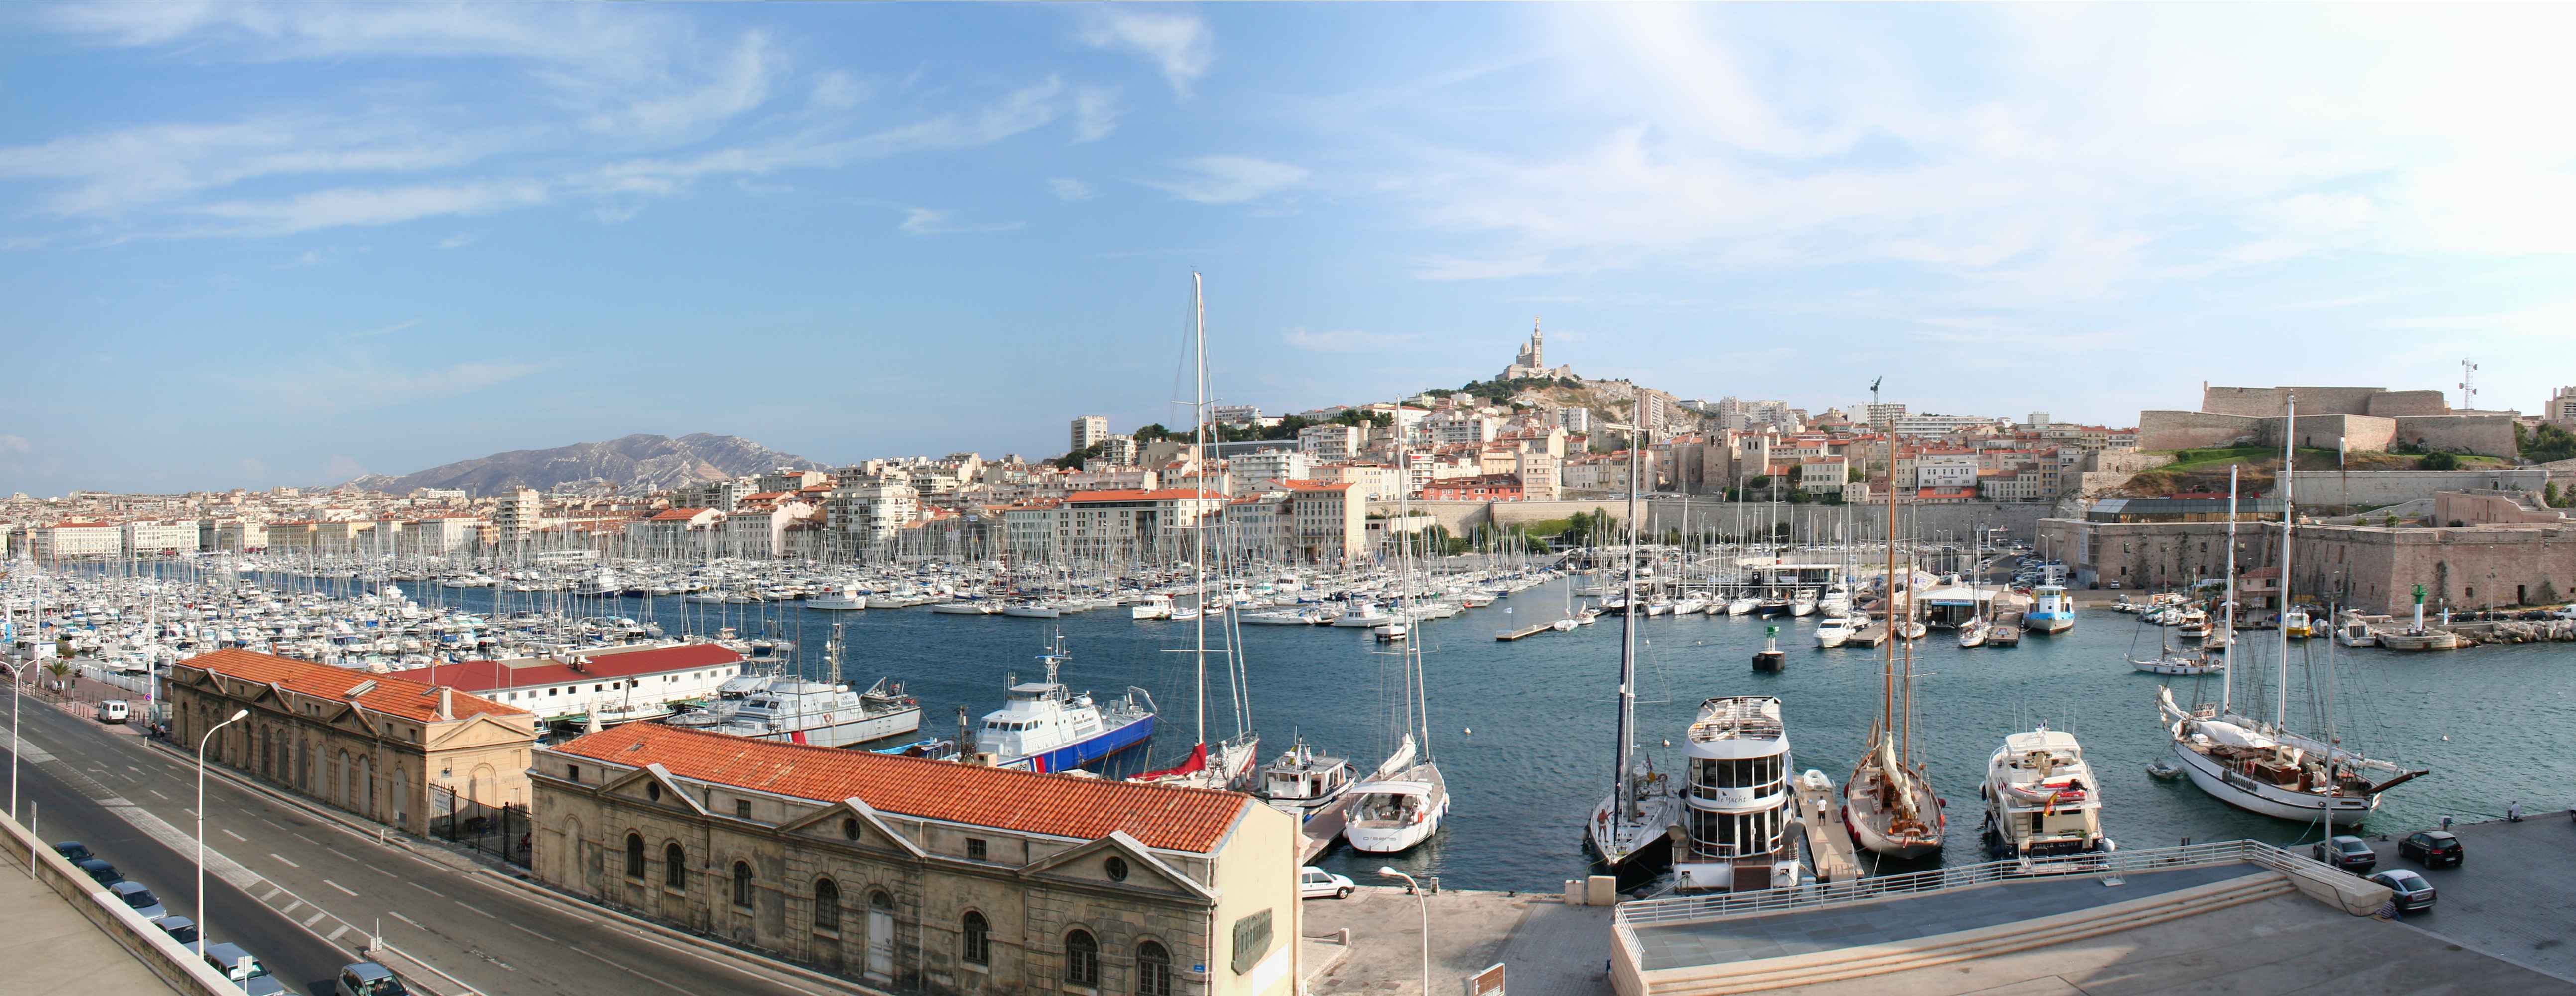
1829	844
1869	636
1372	942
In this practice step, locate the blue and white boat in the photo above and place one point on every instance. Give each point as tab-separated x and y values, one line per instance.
1048	727
2050	610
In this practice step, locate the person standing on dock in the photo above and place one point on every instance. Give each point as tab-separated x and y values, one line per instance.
2513	811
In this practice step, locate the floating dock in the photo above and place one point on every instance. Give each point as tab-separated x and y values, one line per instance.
1829	843
1869	636
1509	635
1321	830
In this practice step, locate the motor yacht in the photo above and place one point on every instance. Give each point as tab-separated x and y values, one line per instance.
2042	798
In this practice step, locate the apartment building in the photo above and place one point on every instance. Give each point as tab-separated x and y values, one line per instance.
1329	443
1110	526
1088	429
68	540
1329	520
517	514
1263	468
144	539
865	515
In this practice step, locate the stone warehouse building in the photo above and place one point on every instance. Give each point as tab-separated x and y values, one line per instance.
374	745
925	876
2372	568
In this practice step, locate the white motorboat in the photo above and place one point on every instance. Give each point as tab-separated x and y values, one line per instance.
1032	610
1973	634
820	713
1155	606
1365	615
2041	797
1834	631
1046	726
1283	617
843	599
1303	783
974	608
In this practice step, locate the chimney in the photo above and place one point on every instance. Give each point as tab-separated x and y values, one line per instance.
446	702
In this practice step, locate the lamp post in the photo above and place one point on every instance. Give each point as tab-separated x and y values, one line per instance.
1389	871
201	824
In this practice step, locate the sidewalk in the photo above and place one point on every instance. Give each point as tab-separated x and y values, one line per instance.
50	948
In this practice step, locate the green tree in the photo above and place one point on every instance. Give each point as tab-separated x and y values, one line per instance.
2440	460
2549	493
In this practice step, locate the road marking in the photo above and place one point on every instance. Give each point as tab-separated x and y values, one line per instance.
309	840
340	887
289	864
427	889
382	872
134	769
157	792
479	913
629	971
341	853
530	933
317	918
272	893
397	914
234	836
273	823
335	935
292	907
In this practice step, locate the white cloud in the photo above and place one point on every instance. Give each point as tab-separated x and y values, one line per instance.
362	378
740	82
124	169
459	240
353	206
924	221
1229	179
1022	110
1346	340
1066	188
1179	44
1095	113
15	444
385	330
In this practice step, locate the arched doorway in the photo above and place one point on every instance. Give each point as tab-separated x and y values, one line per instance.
340	779
365	801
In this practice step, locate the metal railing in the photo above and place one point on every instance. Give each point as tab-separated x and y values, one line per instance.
1651	912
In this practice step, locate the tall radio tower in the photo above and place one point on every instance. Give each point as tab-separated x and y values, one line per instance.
2468	386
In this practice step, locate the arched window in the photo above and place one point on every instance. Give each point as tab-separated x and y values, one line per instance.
1081	959
742	884
675	866
635	856
827	905
1153	969
975	943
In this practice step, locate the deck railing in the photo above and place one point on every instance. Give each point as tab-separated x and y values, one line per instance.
1651	912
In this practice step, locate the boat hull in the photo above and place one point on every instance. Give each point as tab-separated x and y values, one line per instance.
2054	622
1085	751
2255	797
853	733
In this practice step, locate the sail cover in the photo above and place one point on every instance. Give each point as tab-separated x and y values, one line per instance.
2231	734
1197	763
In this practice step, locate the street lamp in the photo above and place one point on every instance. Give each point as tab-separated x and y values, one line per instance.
1389	871
201	825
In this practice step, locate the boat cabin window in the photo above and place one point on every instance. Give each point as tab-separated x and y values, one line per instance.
1757	772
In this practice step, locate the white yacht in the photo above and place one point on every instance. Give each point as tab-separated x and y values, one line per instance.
1032	609
1736	814
1973	634
1365	615
968	608
1397	809
1155	606
820	714
843	599
1834	631
2041	798
1742	606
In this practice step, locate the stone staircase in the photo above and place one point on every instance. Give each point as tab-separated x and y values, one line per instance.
1941	949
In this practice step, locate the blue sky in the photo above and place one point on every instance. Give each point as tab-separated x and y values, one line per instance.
254	245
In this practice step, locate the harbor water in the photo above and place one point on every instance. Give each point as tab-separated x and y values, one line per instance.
1523	730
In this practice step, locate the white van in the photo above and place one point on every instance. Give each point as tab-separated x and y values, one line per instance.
114	711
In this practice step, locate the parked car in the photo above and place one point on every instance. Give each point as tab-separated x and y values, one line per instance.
367	978
1313	882
241	967
114	711
140	899
98	871
2347	852
180	928
2434	848
2410	889
73	851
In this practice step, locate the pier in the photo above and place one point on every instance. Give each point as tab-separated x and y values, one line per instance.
1509	635
1869	636
1829	844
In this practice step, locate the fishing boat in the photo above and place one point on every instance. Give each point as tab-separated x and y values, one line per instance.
1045	726
1628	828
1735	819
2259	765
2041	797
2050	610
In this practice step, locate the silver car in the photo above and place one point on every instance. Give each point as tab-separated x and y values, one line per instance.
143	902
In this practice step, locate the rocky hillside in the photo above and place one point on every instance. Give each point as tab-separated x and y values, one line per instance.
630	464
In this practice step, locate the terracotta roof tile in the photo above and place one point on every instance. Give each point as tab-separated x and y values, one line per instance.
390	695
1184	819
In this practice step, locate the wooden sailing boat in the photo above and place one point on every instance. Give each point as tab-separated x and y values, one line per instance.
1888	801
1630	826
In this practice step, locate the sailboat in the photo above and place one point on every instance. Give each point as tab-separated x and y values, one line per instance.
2258	765
1630	825
1231	761
1888	801
1404	801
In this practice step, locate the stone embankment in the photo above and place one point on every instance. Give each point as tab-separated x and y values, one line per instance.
2539	631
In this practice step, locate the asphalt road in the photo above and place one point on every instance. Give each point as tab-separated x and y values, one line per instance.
304	894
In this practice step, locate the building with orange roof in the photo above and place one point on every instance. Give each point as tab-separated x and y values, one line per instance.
391	749
925	876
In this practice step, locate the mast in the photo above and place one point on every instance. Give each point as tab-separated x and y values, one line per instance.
2227	673
1620	790
1887	670
2289	461
1198	486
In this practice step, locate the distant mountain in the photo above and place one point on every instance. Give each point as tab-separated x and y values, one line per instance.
632	464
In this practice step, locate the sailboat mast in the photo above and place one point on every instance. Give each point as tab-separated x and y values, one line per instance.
1887	670
2289	462
1619	788
2227	673
1198	488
